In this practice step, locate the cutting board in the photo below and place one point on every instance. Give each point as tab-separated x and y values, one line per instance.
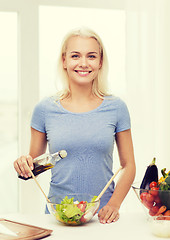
23	231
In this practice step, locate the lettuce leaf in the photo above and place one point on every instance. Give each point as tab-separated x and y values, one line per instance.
67	211
91	204
72	210
67	200
94	199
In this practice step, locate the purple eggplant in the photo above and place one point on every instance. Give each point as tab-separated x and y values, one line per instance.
151	175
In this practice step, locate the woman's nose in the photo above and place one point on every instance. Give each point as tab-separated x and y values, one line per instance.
83	62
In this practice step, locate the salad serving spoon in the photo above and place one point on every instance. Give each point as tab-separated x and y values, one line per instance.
107	185
33	176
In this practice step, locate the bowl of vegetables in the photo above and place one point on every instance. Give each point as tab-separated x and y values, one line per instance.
155	203
73	209
154	195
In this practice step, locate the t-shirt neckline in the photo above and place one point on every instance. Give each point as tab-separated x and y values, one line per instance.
81	113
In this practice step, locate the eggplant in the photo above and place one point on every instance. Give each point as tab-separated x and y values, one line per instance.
151	175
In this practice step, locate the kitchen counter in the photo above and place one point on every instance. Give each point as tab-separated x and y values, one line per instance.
133	225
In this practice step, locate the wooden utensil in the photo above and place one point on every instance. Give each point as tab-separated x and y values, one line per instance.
33	176
107	185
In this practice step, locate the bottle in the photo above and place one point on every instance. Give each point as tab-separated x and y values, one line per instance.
45	161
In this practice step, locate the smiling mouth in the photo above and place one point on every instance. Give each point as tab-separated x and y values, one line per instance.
83	73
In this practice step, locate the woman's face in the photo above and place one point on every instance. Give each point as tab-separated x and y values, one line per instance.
82	60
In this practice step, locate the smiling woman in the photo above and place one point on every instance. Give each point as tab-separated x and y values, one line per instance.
89	145
51	40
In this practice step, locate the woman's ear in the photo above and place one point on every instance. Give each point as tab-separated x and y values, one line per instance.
64	62
101	63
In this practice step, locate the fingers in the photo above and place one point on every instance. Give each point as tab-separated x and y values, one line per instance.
21	163
108	214
30	162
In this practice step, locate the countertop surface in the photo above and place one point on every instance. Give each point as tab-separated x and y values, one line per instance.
133	225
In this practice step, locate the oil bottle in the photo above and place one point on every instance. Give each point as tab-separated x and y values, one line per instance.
44	162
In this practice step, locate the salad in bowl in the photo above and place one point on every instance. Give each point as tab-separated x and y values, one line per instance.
73	209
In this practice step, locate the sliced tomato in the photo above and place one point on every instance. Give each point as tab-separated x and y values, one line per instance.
82	206
83	219
86	217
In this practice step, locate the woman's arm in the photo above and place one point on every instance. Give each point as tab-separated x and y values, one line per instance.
38	146
38	143
110	212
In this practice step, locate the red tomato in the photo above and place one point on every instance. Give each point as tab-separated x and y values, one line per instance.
83	219
82	202
148	205
153	184
155	209
143	196
82	206
149	198
154	191
157	200
151	213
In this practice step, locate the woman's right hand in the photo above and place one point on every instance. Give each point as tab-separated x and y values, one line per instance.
21	165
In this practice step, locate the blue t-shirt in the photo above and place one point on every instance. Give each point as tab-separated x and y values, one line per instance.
88	138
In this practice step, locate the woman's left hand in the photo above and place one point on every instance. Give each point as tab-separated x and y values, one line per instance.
108	214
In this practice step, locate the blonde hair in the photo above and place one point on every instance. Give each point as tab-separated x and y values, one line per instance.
99	87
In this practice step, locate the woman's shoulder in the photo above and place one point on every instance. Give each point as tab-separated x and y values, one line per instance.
113	100
44	104
50	104
47	100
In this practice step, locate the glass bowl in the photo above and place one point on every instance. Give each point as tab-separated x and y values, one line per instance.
73	209
156	205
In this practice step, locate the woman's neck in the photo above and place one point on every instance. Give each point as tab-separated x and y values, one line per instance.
81	101
81	93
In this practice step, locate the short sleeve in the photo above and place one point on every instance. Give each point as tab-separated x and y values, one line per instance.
123	117
38	118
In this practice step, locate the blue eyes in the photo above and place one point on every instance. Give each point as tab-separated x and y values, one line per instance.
75	56
92	56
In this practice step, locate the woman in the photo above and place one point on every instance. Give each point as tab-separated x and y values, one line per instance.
84	120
